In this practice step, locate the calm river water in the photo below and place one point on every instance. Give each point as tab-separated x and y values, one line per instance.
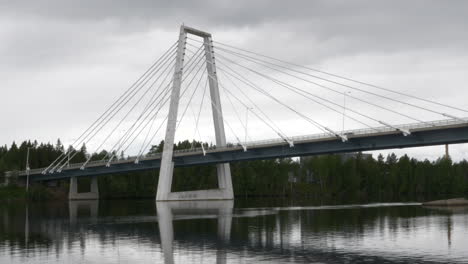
265	231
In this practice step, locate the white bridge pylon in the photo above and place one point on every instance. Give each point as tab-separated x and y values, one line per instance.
224	190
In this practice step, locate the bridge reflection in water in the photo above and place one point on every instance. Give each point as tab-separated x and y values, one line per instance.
216	232
85	213
170	211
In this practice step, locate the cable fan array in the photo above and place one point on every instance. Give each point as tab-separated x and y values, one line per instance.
282	98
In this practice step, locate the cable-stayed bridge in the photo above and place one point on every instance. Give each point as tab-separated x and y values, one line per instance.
283	99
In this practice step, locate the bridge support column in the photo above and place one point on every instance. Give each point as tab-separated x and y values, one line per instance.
93	194
224	190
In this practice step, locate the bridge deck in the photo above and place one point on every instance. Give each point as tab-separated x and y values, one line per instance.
422	134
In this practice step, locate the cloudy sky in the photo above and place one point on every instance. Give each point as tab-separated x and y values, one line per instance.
64	62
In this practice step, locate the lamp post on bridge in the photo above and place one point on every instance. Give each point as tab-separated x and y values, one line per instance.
344	109
247	109
27	171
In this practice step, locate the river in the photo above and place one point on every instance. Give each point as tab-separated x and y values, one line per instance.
241	231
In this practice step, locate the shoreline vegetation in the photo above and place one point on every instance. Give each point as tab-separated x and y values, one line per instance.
337	177
35	193
448	202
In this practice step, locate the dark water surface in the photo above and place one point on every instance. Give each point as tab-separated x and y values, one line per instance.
264	231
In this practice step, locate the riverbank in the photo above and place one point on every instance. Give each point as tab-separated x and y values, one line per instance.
44	193
448	202
36	193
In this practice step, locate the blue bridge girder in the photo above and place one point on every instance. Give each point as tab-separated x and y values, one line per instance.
425	136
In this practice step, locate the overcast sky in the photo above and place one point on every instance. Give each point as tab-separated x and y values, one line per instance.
63	62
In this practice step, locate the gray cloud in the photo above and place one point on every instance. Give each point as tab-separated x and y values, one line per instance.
321	29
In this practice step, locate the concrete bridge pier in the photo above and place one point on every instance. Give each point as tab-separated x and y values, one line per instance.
93	194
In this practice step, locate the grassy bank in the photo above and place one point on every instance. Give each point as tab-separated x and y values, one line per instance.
35	193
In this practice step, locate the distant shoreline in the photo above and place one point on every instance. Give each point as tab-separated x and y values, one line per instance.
448	202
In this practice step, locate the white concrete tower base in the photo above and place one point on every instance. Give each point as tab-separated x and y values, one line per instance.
93	194
225	190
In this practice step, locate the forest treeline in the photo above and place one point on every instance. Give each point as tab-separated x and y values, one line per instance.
354	177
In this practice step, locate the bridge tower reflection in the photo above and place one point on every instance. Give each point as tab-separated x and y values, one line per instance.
175	210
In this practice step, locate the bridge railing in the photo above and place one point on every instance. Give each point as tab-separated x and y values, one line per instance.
352	132
262	143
